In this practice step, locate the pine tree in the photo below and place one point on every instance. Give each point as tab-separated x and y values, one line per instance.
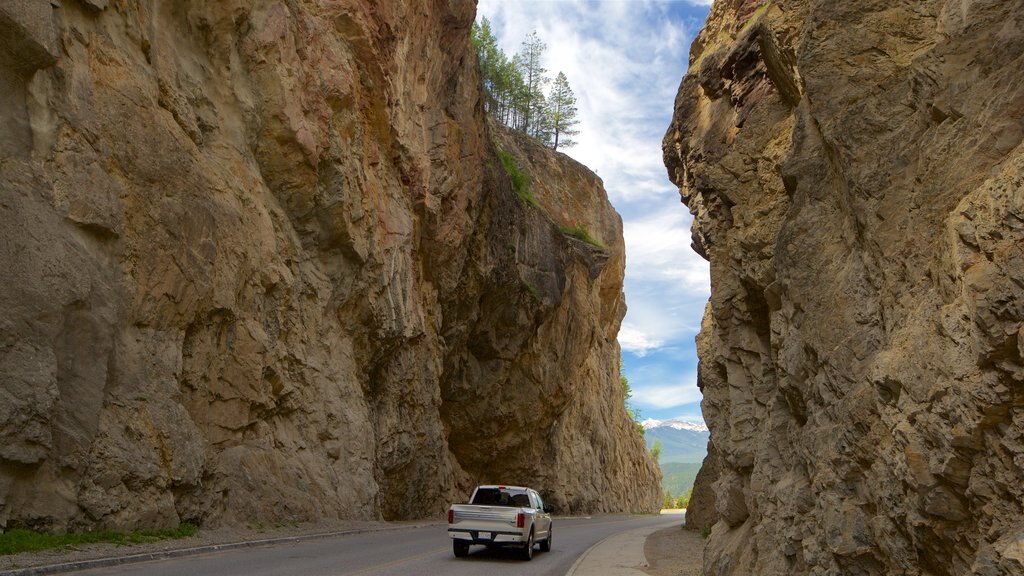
514	89
561	114
529	61
492	62
516	96
540	121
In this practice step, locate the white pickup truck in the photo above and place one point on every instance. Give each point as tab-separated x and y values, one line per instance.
501	516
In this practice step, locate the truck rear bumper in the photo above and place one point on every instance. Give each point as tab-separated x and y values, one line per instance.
485	536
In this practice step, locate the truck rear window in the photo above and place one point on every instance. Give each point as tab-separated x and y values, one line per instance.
499	497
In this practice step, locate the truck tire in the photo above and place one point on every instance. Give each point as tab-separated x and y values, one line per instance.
460	548
545	546
527	552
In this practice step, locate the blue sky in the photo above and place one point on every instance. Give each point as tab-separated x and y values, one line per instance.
624	60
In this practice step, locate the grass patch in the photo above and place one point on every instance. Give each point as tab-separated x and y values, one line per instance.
580	233
20	540
722	39
533	292
753	19
520	180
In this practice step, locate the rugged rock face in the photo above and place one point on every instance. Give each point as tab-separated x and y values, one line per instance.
262	264
561	385
856	174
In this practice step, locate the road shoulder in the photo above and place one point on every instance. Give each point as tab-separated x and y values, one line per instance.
674	551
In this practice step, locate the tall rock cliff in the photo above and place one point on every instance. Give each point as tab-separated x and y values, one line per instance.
262	263
856	174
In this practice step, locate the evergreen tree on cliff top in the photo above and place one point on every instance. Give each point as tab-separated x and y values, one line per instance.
504	86
514	89
490	57
561	113
529	61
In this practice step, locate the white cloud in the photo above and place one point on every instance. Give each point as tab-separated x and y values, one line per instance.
658	249
689	413
667	284
638	341
653	324
662	396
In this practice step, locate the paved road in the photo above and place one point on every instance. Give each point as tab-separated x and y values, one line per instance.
397	552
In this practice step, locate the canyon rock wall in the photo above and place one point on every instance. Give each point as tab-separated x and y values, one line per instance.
856	174
262	264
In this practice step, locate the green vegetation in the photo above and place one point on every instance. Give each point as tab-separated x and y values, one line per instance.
670	503
627	393
656	450
725	37
754	18
514	89
533	292
580	233
520	180
561	114
20	540
678	477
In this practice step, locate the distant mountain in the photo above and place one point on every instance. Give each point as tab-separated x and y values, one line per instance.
683	447
676	424
681	441
678	477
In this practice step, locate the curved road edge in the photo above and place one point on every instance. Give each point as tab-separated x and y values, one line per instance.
620	554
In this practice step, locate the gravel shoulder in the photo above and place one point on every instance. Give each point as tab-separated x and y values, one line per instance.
674	552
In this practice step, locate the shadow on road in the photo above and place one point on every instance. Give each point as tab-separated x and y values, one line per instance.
498	554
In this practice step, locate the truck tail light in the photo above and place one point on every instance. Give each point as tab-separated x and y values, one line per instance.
451	516
520	520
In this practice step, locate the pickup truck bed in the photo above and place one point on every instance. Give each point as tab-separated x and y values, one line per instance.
511	516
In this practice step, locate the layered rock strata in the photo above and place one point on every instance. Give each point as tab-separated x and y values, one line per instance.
262	264
856	175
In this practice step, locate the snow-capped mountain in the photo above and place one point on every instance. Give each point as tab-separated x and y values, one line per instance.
681	440
676	424
684	444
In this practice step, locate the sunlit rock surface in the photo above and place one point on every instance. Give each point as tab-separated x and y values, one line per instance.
856	174
262	264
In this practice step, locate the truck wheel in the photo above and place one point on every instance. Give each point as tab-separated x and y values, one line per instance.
545	546
527	553
460	548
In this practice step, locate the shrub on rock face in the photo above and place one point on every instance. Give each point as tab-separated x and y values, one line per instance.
519	179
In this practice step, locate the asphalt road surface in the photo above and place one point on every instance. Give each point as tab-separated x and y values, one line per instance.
403	551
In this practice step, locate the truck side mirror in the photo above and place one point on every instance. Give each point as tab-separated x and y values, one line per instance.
549	509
